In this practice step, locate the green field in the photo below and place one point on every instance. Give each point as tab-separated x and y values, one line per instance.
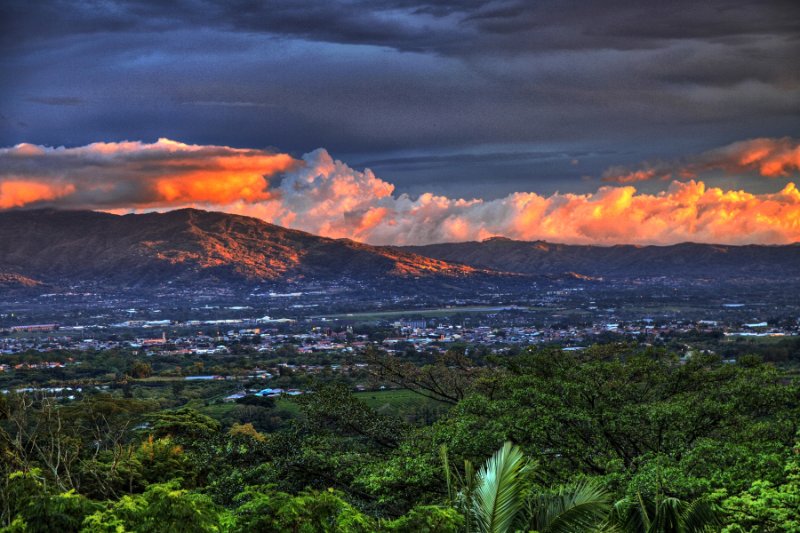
391	398
214	410
402	402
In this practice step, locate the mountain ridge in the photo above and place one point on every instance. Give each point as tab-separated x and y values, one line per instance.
189	245
45	247
688	259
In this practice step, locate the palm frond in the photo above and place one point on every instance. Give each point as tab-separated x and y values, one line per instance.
662	514
645	511
581	507
699	516
447	473
496	499
470	479
668	516
629	516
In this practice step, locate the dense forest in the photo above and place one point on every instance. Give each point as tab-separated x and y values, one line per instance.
613	438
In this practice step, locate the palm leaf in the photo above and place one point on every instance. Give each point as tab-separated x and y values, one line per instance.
699	516
661	515
581	507
496	499
447	473
642	512
630	515
668	516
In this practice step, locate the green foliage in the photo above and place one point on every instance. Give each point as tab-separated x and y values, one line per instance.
268	510
578	507
32	508
140	370
767	507
662	514
162	507
609	410
334	408
501	497
407	475
310	511
497	497
131	468
186	425
426	519
672	440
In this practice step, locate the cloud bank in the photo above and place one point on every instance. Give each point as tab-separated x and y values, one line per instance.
322	195
769	158
135	175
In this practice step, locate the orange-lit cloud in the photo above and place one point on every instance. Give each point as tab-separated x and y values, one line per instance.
135	174
325	196
17	193
767	157
314	199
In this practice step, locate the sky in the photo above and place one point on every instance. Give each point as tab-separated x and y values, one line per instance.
407	122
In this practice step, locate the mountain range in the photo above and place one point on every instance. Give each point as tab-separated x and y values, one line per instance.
53	248
686	260
189	246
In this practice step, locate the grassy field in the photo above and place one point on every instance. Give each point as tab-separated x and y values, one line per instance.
386	401
403	403
390	398
397	402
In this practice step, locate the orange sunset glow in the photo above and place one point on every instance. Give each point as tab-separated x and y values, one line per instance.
325	196
19	193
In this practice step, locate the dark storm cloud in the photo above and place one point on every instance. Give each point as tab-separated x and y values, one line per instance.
386	80
450	159
446	27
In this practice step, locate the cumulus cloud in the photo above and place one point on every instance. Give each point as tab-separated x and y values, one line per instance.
325	196
767	157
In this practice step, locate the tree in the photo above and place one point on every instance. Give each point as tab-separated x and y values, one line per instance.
334	408
611	409
162	507
140	369
310	511
767	507
185	425
448	380
29	506
246	431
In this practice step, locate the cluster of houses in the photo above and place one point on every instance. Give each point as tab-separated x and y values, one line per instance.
264	393
423	335
42	365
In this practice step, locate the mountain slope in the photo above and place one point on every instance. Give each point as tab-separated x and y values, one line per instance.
680	260
189	245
